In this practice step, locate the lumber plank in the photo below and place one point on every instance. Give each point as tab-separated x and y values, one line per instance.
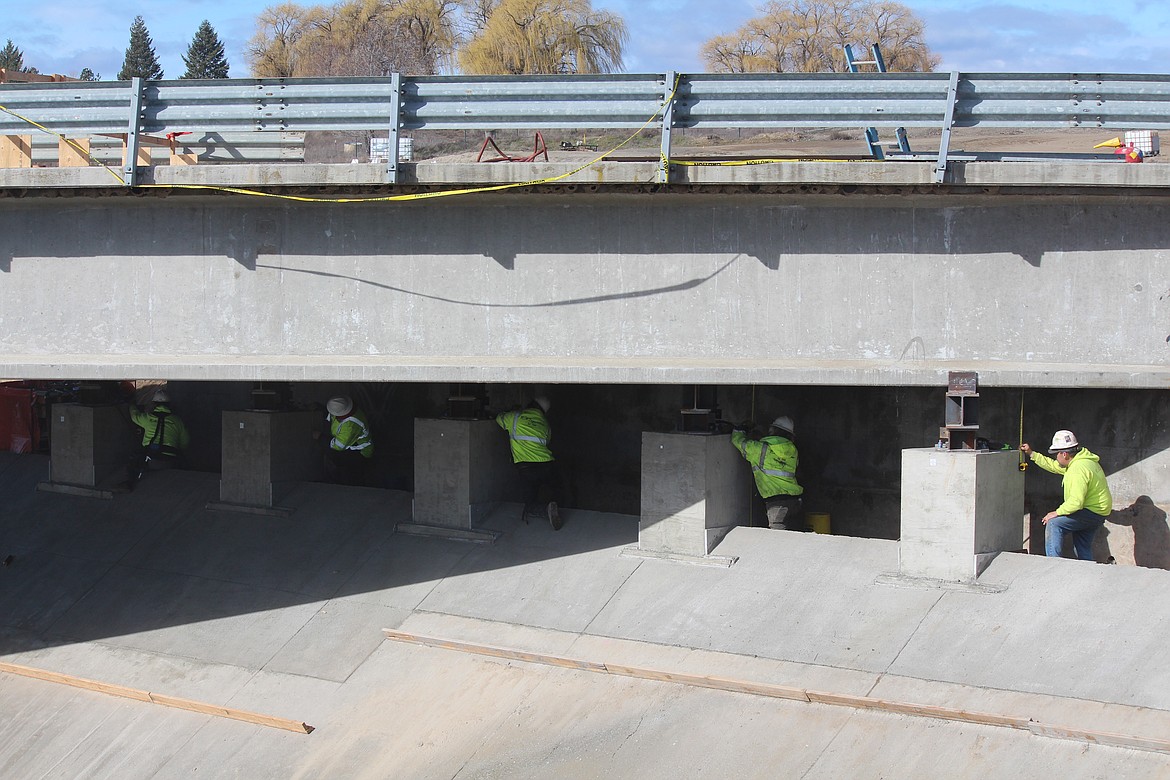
493	651
15	151
155	698
1100	737
708	681
797	694
73	152
919	710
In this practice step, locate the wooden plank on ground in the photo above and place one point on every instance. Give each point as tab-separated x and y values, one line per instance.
156	698
494	652
1153	744
707	681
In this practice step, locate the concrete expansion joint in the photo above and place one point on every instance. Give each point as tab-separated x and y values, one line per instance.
928	583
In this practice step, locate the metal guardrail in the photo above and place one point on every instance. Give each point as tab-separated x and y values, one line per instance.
626	101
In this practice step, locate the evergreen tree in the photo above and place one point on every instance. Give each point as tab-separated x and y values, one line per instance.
88	75
204	58
11	58
141	61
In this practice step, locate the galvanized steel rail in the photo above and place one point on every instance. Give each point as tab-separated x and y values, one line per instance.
397	104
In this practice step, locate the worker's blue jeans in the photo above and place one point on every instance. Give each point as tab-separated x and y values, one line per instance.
1082	524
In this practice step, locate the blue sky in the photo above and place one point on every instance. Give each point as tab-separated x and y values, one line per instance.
1128	36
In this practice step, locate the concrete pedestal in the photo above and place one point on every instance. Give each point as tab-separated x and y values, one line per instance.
695	488
91	446
462	468
960	508
265	453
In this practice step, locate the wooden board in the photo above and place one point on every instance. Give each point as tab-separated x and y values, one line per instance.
73	153
156	698
15	151
798	694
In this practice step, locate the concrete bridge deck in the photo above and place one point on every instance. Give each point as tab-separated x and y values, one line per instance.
283	616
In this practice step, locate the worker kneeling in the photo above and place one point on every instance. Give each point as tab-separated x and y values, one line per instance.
164	437
1087	500
773	459
350	447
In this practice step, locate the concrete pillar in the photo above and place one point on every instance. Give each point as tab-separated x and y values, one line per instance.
462	468
90	446
960	508
695	488
264	453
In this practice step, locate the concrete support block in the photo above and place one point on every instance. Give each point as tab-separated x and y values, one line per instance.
265	453
960	508
91	446
695	488
462	468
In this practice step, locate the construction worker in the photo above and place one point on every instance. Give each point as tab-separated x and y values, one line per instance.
529	434
1087	500
351	446
164	437
773	459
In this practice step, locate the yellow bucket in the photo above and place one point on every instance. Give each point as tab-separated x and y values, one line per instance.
819	522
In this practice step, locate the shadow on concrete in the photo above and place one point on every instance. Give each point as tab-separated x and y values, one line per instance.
1151	533
771	229
679	287
125	570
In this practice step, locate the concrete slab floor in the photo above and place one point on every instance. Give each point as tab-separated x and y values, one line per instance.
283	617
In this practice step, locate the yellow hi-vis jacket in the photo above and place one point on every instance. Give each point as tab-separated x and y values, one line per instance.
351	432
773	461
1084	483
528	433
172	439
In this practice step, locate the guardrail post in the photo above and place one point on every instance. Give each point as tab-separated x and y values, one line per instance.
944	142
395	128
130	164
668	96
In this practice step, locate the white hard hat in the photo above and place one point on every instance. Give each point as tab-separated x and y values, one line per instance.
543	402
161	397
784	423
1063	440
340	406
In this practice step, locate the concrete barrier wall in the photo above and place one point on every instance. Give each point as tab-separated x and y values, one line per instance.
764	289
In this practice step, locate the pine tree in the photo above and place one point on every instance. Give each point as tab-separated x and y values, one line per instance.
11	58
88	75
204	58
141	61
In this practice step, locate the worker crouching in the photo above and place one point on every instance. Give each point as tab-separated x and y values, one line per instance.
164	437
351	447
1087	500
773	459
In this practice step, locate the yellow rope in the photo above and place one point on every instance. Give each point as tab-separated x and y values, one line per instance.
666	161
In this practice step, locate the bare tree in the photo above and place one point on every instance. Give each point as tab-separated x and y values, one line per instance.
542	36
354	38
809	36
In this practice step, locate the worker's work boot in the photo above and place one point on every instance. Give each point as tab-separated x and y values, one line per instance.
554	516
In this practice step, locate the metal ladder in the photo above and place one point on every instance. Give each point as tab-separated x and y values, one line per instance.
871	133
